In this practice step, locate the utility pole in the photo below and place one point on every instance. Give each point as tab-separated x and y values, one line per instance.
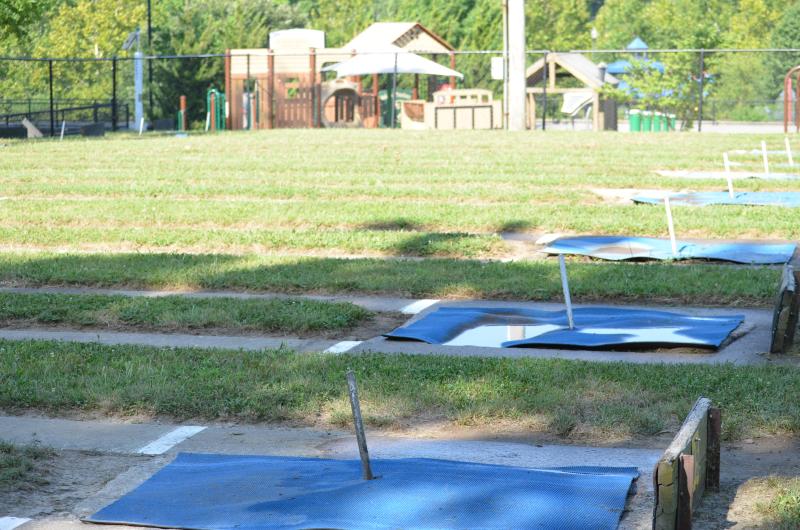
515	20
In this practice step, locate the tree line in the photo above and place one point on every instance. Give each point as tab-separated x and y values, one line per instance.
97	29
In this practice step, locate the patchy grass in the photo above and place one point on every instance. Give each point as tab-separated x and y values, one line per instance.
22	464
570	399
437	278
177	313
782	512
366	192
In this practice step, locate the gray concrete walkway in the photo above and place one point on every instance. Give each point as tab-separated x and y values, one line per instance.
116	437
171	340
372	303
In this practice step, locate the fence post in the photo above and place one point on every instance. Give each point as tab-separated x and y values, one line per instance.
114	93
52	107
700	93
544	94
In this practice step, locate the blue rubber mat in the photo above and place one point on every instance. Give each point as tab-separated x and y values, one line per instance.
618	248
595	328
199	491
709	198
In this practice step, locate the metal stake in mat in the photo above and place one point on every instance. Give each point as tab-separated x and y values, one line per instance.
359	426
764	156
671	228
141	126
63	126
788	150
728	177
565	287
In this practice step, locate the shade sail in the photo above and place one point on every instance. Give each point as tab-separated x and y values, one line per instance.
384	63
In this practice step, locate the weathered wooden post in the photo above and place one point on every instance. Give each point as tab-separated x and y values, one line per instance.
359	426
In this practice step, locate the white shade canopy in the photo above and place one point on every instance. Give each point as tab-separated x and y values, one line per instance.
390	62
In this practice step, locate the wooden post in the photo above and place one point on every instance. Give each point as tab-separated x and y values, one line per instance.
415	90
376	100
359	426
713	448
228	87
685	492
453	67
797	104
270	89
312	76
212	112
183	112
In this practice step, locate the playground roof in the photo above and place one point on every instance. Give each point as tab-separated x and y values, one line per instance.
410	36
637	44
576	64
401	61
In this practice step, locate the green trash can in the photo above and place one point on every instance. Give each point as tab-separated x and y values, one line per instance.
673	122
647	121
658	121
635	120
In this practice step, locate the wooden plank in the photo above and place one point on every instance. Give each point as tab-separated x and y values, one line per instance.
713	451
686	493
691	440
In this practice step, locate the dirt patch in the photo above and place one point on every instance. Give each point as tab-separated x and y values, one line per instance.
63	481
369	328
743	485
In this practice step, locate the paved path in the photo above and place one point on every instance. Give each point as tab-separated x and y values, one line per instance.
372	303
172	340
751	341
127	438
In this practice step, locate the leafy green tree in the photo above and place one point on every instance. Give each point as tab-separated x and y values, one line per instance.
209	26
785	35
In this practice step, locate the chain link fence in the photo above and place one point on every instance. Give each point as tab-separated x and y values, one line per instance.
701	90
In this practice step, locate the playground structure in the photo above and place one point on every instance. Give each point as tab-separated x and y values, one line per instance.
286	85
453	109
791	89
554	66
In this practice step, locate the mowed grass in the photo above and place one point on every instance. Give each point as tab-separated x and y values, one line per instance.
365	192
432	278
22	466
570	399
176	313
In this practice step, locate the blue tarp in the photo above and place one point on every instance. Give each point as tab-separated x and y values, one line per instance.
198	491
595	328
617	248
745	198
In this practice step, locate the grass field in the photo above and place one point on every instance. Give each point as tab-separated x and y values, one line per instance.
175	313
439	278
578	400
359	192
247	205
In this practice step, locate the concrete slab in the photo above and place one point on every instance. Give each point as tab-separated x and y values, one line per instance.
107	437
169	340
750	342
371	303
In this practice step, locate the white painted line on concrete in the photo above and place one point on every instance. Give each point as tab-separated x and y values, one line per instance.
170	440
547	239
344	346
9	523
418	306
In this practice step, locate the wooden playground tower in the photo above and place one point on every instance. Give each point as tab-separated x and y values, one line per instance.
788	91
284	86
